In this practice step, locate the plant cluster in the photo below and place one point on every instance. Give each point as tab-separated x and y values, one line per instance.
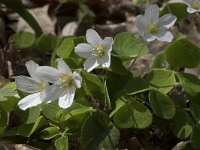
89	96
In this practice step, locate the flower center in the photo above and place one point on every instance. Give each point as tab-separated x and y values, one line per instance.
99	51
66	80
196	5
153	28
42	86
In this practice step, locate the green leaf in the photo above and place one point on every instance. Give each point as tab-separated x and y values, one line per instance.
177	9
98	132
3	118
184	145
133	115
10	103
195	110
62	143
117	66
158	61
49	133
17	6
50	111
92	84
195	137
72	121
30	115
47	43
191	85
182	124
162	80
7	91
119	103
23	39
182	53
162	105
136	85
27	130
127	46
66	48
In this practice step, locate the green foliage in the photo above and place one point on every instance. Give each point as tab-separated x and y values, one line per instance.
99	132
191	85
133	115
112	101
177	9
23	39
161	79
128	46
182	53
162	105
62	143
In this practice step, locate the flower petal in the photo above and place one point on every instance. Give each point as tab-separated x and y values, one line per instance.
107	43
93	37
192	10
26	84
188	2
66	100
63	67
84	50
105	61
167	20
48	74
152	13
31	67
52	93
90	64
78	79
30	101
165	36
141	23
148	37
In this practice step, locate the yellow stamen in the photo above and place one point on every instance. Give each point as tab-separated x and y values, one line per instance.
153	28
196	5
66	80
99	51
42	86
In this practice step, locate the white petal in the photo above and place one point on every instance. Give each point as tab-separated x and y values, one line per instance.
141	23
63	67
90	64
31	67
66	100
30	101
53	93
93	37
84	50
167	20
26	84
188	2
148	37
78	79
45	93
48	74
152	13
191	10
107	43
165	36
105	61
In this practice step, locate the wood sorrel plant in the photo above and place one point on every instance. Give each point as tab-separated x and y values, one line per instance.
100	100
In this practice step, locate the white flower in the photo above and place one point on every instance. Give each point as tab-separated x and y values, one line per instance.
34	85
153	27
64	82
97	52
193	5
